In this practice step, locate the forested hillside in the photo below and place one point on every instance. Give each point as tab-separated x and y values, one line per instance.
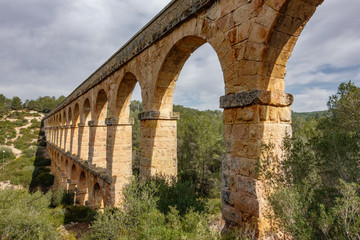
42	104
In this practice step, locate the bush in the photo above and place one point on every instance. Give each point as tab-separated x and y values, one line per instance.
25	216
30	152
145	216
6	153
316	192
79	214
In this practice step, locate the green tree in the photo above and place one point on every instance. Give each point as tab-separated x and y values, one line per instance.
4	105
316	188
16	103
200	147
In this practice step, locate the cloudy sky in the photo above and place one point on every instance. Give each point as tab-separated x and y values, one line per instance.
48	48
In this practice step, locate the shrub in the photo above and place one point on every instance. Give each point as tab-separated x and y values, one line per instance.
6	153
142	217
79	214
25	216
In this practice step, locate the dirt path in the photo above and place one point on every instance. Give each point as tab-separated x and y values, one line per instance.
7	184
16	151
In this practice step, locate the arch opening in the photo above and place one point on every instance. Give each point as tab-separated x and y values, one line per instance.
84	132
101	106
170	161
170	70
81	194
97	196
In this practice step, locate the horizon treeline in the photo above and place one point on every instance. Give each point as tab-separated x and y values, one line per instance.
41	104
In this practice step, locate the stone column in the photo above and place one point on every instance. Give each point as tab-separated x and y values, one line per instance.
57	136
97	144
83	139
61	135
81	196
72	184
68	138
74	140
50	135
52	140
250	119
158	143
119	154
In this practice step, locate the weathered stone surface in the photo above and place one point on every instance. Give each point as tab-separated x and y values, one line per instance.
261	97
156	115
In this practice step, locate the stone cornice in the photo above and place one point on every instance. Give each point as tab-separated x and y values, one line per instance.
242	99
156	115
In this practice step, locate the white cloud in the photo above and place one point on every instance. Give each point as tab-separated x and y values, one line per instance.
311	98
327	52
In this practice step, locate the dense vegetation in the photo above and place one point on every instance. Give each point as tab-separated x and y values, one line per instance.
316	188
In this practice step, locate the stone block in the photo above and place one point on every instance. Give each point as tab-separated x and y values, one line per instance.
300	9
275	4
255	51
244	29
246	203
285	114
240	131
267	16
225	23
249	185
231	215
259	33
246	114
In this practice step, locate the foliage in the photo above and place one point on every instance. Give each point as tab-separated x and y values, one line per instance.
43	104
141	218
5	104
316	184
79	214
200	148
25	216
6	154
19	171
16	103
27	139
135	109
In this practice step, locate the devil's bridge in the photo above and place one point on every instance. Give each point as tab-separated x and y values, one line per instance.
90	134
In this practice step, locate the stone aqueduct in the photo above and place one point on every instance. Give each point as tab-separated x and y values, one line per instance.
89	134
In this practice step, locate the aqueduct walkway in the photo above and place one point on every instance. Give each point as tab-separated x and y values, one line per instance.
89	134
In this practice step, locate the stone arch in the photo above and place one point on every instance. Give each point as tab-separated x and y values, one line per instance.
170	70
65	132
69	116
119	137
81	195
86	111
281	38
98	131
163	125
85	117
66	166
74	148
101	103
73	174
76	117
73	178
97	196
123	96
